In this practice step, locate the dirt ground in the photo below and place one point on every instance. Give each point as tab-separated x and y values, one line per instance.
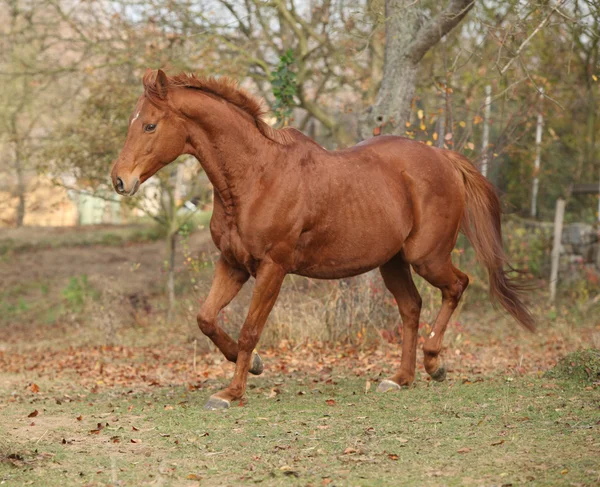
100	263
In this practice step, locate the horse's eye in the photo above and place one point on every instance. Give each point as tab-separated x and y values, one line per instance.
150	127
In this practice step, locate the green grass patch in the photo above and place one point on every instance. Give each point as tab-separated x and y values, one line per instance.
580	366
301	432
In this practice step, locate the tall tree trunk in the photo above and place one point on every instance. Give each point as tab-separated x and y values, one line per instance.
20	192
408	38
171	248
170	212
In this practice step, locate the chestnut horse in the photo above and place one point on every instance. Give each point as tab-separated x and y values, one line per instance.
285	205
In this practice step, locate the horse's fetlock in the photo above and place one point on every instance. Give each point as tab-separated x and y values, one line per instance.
430	352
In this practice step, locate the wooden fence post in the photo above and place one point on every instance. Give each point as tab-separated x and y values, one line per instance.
558	228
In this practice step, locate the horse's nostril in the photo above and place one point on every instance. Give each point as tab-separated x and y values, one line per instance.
120	186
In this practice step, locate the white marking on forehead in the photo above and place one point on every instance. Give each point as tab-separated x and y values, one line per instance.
137	115
138	106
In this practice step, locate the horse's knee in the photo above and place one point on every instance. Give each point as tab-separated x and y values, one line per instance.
206	323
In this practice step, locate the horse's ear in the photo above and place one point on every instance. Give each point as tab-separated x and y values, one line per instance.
161	84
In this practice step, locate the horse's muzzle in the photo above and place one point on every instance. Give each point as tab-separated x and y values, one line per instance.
126	190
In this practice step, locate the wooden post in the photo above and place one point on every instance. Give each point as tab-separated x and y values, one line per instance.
558	228
538	150
486	130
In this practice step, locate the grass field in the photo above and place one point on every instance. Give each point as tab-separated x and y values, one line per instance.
325	428
78	409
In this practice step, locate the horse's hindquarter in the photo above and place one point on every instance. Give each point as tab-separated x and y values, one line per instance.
359	213
437	192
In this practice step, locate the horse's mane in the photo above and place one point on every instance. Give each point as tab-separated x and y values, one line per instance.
227	89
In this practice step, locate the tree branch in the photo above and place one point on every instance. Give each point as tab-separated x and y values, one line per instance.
526	41
430	34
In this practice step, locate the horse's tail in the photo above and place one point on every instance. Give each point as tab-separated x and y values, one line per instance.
482	226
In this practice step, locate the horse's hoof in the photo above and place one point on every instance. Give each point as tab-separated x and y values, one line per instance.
215	403
257	367
439	375
388	385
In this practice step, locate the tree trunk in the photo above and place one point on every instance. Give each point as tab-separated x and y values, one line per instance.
408	38
20	193
171	247
392	105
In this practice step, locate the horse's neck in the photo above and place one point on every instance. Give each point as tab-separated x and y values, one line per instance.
231	150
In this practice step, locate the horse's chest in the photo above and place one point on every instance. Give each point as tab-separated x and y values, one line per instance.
228	241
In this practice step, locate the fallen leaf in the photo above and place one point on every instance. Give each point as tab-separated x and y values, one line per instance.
330	402
193	476
464	450
350	451
392	456
79	418
496	443
33	414
96	431
135	440
34	388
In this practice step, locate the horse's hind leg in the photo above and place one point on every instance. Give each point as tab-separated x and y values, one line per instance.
452	282
225	286
397	277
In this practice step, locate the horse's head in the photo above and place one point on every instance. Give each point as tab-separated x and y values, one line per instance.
156	136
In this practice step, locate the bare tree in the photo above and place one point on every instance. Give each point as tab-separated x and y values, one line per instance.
409	35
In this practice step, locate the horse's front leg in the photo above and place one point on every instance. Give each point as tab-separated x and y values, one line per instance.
226	285
266	289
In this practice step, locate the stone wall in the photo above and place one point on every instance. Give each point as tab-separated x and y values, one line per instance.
581	243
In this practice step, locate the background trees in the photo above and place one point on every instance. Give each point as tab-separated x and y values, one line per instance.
345	70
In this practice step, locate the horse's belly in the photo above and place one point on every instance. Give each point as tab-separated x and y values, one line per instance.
334	255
